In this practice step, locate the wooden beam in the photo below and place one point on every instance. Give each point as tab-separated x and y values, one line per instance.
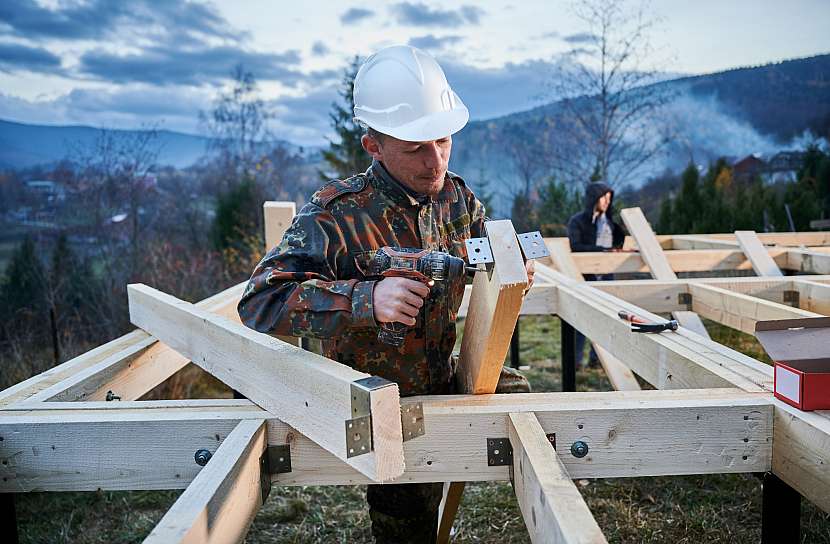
660	268
620	376
278	217
811	262
701	242
751	245
135	370
776	238
540	300
222	500
813	296
495	302
737	310
306	390
801	452
676	432
552	507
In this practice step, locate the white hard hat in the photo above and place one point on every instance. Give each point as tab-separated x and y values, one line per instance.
401	91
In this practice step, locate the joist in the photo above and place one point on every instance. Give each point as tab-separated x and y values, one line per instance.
652	253
494	307
701	242
751	245
540	300
620	376
308	391
813	296
774	238
704	260
552	507
737	310
811	262
676	432
278	217
220	503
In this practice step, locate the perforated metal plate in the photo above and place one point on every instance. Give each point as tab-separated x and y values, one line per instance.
478	251
499	452
358	436
533	245
412	421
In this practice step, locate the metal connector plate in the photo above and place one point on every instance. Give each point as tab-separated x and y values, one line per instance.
533	245
360	389
358	436
412	421
499	452
478	251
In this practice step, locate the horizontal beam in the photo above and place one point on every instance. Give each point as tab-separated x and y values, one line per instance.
308	391
551	505
540	300
222	500
631	433
813	296
811	262
773	238
701	242
704	260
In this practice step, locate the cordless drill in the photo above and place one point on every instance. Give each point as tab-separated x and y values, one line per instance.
417	264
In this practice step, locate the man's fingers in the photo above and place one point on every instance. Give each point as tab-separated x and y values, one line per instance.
416	287
413	300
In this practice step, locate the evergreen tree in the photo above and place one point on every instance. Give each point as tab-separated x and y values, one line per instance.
22	290
237	211
346	157
687	204
556	205
665	222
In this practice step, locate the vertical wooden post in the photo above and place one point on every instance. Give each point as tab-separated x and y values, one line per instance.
568	356
780	511
278	216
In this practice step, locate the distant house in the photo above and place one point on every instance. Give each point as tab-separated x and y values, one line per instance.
51	191
747	168
780	167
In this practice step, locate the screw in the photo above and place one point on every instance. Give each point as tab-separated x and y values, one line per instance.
202	456
579	449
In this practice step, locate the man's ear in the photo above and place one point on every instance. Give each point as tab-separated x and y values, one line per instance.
372	147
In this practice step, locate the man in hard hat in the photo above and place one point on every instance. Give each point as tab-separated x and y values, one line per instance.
314	283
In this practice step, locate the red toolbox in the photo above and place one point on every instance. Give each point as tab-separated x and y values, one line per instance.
801	351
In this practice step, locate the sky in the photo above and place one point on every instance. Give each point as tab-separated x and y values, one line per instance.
127	64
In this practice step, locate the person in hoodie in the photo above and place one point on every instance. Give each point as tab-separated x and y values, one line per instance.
594	229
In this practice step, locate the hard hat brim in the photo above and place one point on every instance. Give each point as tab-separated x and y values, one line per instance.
431	127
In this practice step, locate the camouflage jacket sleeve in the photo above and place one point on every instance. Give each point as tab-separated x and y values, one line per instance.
295	289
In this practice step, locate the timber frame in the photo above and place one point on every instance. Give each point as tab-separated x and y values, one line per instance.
311	421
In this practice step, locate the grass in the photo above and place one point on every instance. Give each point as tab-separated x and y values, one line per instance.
683	509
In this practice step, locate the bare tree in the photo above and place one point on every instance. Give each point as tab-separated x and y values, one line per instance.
610	103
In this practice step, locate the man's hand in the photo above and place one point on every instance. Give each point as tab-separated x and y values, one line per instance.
398	299
530	271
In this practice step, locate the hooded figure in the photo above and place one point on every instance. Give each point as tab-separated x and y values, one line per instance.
588	230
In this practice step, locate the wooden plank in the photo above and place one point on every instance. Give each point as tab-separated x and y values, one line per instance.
677	432
701	242
551	505
222	500
620	376
801	452
811	262
495	303
278	216
813	296
660	268
737	310
135	370
540	300
703	260
306	390
751	245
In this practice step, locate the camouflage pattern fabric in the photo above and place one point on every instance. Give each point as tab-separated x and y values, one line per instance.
313	283
404	513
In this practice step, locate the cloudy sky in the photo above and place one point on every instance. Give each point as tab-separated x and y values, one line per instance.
123	63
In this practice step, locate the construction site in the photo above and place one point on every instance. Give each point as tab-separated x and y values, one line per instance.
310	421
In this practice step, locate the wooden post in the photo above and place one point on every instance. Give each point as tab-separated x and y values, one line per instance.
780	511
278	216
495	303
568	356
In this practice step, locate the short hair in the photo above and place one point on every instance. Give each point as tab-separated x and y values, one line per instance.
378	136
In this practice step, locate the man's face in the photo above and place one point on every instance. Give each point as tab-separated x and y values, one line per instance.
603	202
420	166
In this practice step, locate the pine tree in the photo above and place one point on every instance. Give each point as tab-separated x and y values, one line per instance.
346	157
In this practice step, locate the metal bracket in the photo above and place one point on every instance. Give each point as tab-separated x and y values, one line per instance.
412	421
478	251
499	452
684	299
359	428
533	245
358	436
792	298
552	439
274	460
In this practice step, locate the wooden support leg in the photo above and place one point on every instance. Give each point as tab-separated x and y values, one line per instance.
780	511
8	518
453	491
568	357
514	347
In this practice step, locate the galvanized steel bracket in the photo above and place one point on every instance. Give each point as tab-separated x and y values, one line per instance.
533	245
412	421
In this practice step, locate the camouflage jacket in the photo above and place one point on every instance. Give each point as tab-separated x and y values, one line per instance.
312	283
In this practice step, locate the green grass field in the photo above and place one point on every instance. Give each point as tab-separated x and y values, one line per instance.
688	509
